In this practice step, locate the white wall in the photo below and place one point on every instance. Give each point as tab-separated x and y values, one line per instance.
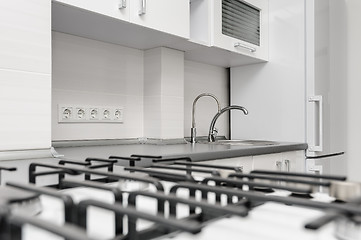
353	89
88	72
163	93
25	74
273	92
203	78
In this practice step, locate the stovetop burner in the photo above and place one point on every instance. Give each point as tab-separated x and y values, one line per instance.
175	195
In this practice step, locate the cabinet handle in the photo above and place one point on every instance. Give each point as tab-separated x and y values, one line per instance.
122	4
251	49
317	169
287	165
319	147
279	165
143	7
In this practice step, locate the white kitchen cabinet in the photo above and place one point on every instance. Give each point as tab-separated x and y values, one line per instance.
285	161
25	75
292	161
295	161
167	16
238	31
111	8
171	17
25	39
233	25
243	162
268	162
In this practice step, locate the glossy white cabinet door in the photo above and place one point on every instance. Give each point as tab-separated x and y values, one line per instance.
167	16
293	161
245	163
25	35
111	8
25	103
268	162
235	45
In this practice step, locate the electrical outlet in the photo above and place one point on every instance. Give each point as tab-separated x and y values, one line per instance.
65	113
93	114
106	114
80	114
87	114
118	114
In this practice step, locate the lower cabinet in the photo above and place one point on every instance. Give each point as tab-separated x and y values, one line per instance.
293	161
245	163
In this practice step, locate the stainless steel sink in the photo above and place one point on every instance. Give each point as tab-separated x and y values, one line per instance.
244	142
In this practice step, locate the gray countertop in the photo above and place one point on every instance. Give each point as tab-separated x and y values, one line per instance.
79	150
197	151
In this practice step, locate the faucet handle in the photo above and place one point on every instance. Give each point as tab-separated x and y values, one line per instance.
214	132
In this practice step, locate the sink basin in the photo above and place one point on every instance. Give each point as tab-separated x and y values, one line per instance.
245	142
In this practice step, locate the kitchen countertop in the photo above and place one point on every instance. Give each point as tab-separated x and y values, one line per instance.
197	151
80	150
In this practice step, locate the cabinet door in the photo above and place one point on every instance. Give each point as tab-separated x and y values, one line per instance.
243	162
167	16
241	26
112	8
268	162
293	161
25	37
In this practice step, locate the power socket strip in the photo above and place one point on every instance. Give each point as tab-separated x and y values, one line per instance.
68	113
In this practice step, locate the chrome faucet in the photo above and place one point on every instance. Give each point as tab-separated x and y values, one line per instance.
211	134
193	129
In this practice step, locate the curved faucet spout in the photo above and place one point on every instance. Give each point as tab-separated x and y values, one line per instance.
193	129
211	135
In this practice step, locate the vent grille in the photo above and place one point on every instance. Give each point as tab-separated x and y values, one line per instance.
241	20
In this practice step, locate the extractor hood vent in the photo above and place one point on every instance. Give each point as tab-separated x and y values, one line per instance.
241	20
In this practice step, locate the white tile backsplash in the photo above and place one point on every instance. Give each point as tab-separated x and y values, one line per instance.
163	91
132	126
172	73
201	78
152	116
87	65
154	86
88	72
172	117
152	72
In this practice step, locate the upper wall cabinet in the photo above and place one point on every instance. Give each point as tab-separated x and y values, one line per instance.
209	31
111	8
240	26
164	15
155	14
